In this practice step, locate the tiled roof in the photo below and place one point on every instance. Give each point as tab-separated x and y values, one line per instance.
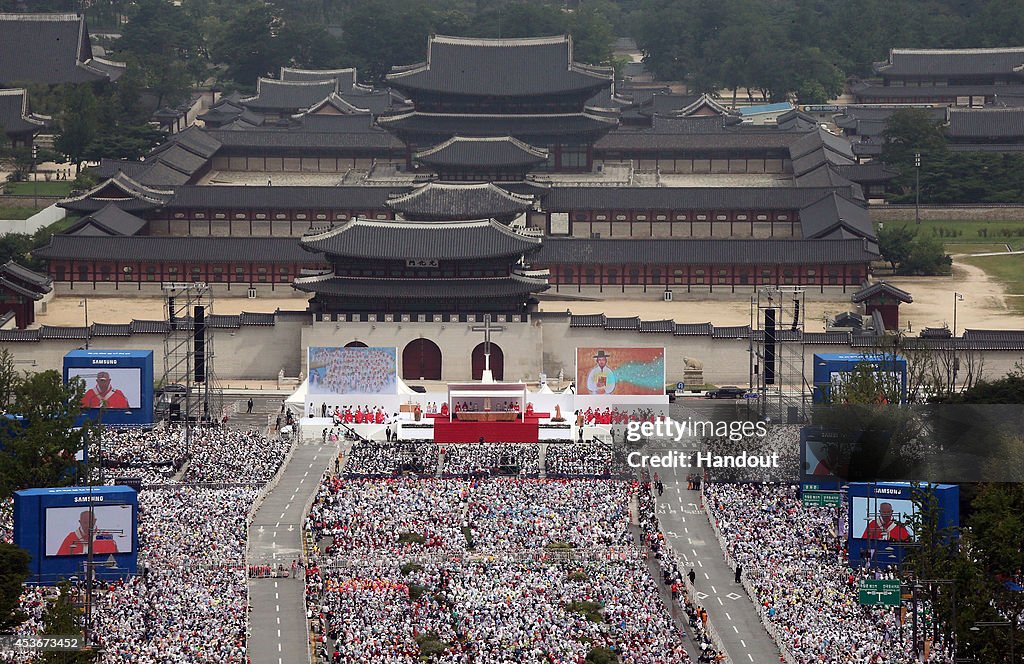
834	213
871	90
371	239
14	115
50	49
587	320
951	62
121	190
731	332
483	152
111	329
880	287
452	289
505	67
314	134
631	323
686	251
459	201
186	249
345	78
54	332
692	329
657	326
272	94
35	280
109	220
1005	123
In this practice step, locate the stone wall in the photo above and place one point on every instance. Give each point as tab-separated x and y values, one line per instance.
948	213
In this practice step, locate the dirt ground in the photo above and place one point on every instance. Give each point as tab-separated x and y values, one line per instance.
66	310
983	307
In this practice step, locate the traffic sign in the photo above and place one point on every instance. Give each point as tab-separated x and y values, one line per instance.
879	592
819	498
680	386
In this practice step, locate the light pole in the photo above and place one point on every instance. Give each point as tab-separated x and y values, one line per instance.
957	297
917	187
978	626
84	302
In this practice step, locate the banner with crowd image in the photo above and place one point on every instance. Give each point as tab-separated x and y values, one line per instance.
620	371
336	371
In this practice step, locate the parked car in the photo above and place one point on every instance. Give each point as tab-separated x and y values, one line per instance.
727	392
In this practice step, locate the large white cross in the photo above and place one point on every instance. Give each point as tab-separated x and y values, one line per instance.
487	328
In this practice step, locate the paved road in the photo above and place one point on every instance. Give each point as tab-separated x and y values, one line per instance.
687	529
277	617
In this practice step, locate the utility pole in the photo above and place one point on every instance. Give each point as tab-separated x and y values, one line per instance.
35	178
917	188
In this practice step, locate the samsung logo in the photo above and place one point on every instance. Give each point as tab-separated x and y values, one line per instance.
86	499
104	361
894	492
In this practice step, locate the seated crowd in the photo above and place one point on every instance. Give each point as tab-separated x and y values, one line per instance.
464	569
800	577
489	459
376	459
587	459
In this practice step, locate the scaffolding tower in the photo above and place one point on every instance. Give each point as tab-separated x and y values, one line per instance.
189	376
777	353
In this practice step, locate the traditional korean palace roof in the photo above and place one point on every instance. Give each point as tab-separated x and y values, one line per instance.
110	220
951	62
416	289
409	240
14	114
483	152
499	67
985	123
50	49
882	288
24	281
435	200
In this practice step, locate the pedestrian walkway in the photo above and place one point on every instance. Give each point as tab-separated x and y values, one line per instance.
730	610
277	608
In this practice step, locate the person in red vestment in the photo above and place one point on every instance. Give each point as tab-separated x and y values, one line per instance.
348	415
529	409
77	541
589	414
103	395
379	417
884	527
359	415
444	409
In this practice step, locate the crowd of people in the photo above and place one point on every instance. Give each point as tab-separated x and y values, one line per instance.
376	459
490	459
464	570
587	459
798	572
210	454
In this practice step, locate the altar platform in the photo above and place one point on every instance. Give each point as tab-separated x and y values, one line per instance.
493	431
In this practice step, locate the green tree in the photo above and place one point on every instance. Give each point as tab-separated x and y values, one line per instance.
927	257
894	242
14	571
42	453
164	45
10	378
62	618
78	123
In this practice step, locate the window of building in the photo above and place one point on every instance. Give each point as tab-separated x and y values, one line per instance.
591	276
197	274
220	215
105	272
601	217
284	274
762	217
677	276
634	276
261	275
280	216
60	272
218	273
723	276
260	215
766	276
744	277
574	157
741	217
300	215
787	276
702	217
566	275
83	273
151	273
833	278
721	217
613	276
641	217
655	276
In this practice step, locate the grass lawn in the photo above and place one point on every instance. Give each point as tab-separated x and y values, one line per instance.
63	224
17	212
56	188
966	231
1009	270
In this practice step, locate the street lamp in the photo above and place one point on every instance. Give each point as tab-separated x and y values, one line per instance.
978	626
917	187
957	297
84	302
